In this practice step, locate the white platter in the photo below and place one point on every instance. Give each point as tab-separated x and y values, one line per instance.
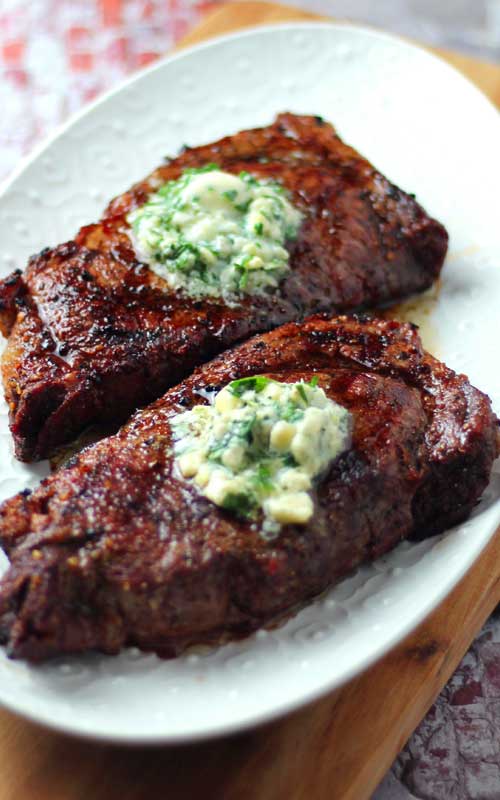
431	132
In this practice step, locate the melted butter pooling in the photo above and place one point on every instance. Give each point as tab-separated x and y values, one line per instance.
260	446
212	233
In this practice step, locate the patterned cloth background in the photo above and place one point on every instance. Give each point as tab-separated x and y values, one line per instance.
56	55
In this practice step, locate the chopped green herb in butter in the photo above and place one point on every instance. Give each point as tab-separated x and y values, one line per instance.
260	445
212	233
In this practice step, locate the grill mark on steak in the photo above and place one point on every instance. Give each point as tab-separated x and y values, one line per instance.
100	334
116	549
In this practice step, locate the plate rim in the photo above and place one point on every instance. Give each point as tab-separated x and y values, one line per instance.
323	687
214	41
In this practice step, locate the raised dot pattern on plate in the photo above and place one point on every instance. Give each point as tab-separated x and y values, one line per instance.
348	76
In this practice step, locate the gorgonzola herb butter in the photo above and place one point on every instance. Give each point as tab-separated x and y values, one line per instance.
260	445
214	233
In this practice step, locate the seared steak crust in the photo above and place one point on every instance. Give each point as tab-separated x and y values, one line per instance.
118	549
94	333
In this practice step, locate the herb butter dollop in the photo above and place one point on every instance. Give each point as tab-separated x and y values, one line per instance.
212	233
259	445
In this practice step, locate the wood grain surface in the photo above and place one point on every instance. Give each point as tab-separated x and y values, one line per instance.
338	748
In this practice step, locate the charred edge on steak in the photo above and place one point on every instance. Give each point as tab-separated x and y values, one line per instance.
101	335
115	549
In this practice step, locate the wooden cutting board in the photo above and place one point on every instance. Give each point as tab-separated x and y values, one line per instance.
338	748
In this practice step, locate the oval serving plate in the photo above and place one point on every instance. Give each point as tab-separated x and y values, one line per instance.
430	131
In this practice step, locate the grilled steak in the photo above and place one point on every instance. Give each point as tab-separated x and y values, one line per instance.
117	549
93	333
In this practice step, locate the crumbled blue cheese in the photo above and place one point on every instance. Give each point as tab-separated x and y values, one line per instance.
212	233
259	445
